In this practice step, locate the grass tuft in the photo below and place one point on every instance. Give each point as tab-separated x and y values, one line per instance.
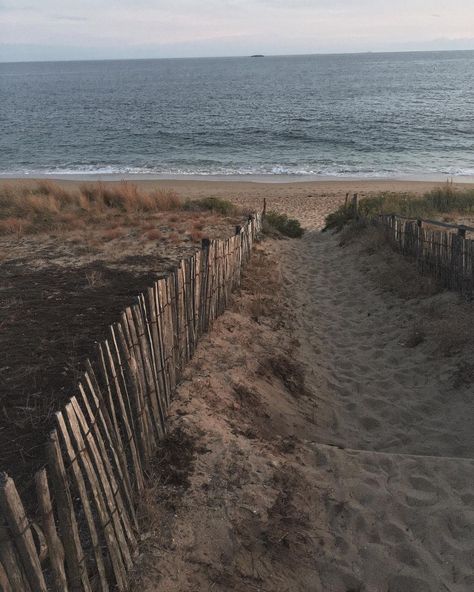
153	234
212	204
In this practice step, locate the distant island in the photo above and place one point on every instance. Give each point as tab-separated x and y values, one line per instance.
257	55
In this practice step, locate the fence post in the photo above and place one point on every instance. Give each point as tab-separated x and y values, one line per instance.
355	205
462	232
264	213
20	527
55	547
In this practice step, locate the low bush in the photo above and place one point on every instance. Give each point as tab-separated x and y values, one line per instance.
284	225
212	204
435	203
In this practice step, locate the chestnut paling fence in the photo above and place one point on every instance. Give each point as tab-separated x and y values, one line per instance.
84	537
446	253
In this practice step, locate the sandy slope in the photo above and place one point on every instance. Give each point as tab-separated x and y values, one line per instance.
360	480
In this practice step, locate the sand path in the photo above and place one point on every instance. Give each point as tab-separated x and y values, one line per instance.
373	392
393	435
360	481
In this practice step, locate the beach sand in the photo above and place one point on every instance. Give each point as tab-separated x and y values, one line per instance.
360	479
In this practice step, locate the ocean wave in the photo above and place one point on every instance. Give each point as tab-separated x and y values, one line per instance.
270	170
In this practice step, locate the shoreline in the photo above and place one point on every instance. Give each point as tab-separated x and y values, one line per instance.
221	182
273	179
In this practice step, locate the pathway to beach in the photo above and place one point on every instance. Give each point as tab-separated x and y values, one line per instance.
373	391
360	480
394	434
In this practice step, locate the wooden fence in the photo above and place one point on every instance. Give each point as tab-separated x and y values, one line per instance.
447	254
84	537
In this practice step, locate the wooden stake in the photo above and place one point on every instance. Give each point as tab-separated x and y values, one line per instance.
75	560
10	563
55	547
19	525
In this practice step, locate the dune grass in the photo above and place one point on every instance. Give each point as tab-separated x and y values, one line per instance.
211	204
438	202
46	206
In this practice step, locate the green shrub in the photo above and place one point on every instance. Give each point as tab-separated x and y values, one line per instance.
441	200
213	204
286	226
338	219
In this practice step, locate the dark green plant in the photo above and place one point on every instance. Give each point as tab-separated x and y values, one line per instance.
286	226
213	204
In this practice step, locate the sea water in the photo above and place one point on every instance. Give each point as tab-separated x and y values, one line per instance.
320	116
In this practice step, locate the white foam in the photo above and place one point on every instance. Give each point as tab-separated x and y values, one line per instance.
271	171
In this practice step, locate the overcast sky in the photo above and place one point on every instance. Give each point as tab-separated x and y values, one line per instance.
75	29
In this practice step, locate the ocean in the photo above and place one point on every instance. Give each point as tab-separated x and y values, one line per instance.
321	116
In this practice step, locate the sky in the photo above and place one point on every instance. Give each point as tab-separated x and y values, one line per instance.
108	29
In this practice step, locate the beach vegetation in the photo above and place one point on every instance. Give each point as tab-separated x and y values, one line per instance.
284	225
438	203
211	204
153	234
47	206
113	233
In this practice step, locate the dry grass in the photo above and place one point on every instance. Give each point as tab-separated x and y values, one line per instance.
285	368
196	236
153	234
113	233
174	238
46	206
94	278
13	225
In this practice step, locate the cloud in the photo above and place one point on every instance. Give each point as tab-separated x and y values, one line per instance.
230	27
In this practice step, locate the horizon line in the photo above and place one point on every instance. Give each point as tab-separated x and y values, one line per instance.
269	55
